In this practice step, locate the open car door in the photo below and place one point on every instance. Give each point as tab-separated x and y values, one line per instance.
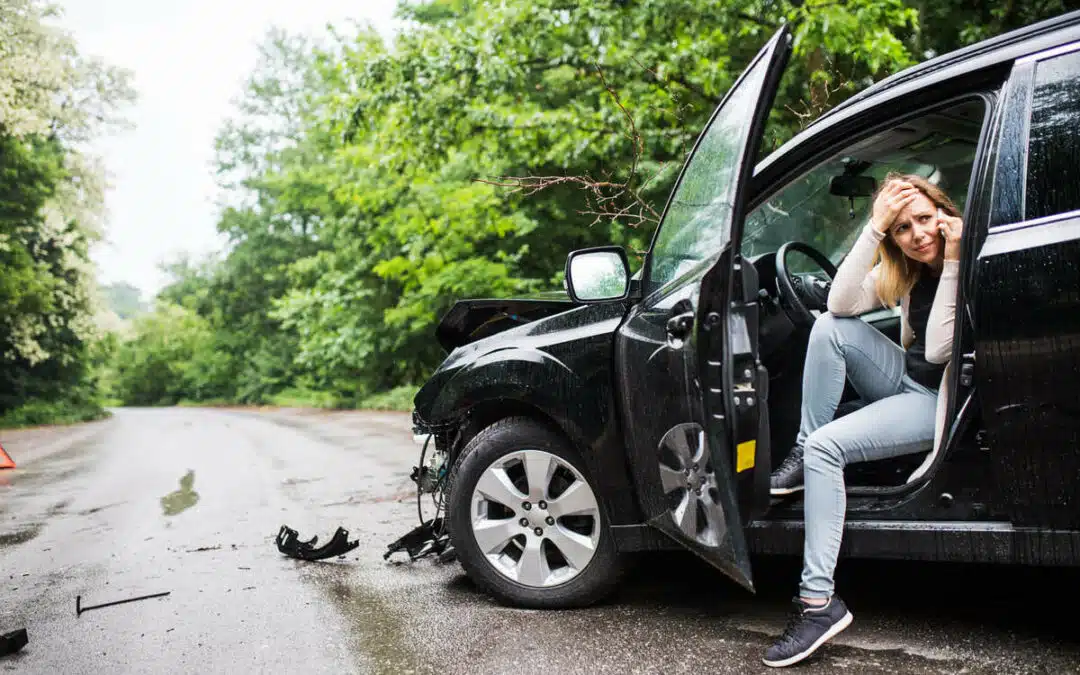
686	354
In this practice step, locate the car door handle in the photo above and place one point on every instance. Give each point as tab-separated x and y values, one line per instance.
679	326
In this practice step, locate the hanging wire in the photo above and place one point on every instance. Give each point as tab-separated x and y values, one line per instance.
420	481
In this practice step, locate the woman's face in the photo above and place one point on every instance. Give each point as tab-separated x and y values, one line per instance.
915	230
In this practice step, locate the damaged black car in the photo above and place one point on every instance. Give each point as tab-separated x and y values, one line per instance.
647	412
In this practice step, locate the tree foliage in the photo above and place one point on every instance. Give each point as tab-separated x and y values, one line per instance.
52	101
369	185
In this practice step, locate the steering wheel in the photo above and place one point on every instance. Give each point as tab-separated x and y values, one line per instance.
794	289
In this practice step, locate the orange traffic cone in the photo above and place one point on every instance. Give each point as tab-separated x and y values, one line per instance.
6	462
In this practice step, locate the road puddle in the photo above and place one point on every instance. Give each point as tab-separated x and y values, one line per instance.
376	627
183	499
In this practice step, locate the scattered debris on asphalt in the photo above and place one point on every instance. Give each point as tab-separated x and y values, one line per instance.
79	609
425	539
13	641
288	542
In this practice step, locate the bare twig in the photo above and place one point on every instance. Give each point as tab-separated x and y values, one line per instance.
818	101
608	198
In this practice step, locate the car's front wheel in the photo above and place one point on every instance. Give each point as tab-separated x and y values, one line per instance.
525	520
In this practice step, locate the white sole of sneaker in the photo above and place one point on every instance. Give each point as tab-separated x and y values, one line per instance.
829	634
785	491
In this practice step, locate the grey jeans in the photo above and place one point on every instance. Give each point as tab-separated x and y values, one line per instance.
898	419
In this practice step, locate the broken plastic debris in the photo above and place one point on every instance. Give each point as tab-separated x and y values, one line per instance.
13	641
288	542
79	609
426	539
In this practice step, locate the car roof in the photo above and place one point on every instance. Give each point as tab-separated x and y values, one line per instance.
980	56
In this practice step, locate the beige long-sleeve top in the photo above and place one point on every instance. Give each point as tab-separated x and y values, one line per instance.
854	292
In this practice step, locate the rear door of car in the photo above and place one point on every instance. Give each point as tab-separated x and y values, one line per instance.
680	440
1026	297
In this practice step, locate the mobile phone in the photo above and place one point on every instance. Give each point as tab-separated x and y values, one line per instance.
940	215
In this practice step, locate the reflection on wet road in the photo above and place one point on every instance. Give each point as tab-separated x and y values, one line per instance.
180	500
113	512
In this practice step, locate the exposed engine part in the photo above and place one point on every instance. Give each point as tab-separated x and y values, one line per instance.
288	542
430	537
428	477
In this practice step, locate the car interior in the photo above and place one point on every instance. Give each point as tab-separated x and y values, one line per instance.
797	236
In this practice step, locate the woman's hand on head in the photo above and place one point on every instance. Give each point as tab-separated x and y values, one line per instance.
892	199
951	229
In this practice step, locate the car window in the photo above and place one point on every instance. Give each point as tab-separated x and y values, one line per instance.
1053	169
940	147
697	223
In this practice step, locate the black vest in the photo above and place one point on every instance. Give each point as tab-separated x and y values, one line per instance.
921	300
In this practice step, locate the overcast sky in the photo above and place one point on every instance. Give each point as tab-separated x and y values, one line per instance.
189	60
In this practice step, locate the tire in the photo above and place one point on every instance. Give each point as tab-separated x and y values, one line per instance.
543	576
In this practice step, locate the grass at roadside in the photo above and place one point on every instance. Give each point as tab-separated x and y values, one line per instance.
37	413
305	398
396	399
208	403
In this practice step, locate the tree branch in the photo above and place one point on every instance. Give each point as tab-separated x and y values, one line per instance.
607	198
757	20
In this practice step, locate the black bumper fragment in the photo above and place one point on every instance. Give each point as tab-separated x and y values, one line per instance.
423	540
288	542
13	641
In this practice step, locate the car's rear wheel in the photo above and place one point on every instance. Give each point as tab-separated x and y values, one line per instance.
525	520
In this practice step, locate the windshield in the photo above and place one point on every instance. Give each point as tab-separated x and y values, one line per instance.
807	210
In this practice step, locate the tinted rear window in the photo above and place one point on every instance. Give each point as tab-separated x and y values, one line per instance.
1053	173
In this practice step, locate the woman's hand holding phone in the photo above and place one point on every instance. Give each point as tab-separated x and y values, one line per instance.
950	228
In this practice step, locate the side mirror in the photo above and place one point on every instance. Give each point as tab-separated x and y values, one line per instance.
597	274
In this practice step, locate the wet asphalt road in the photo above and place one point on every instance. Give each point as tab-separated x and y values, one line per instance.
188	501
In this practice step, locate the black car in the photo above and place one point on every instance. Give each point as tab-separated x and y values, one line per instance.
647	412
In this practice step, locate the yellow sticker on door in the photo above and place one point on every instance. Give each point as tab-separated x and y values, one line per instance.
744	455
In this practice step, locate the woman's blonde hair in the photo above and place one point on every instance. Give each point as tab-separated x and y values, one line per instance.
898	274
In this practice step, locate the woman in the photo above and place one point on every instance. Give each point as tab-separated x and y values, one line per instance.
914	239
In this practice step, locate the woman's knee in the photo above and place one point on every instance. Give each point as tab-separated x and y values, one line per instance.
822	452
836	329
830	323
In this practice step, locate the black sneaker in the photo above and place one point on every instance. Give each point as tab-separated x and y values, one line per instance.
788	477
809	628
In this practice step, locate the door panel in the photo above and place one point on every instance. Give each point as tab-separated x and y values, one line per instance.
1026	306
681	445
1027	361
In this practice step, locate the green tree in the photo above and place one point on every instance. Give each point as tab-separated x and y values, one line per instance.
171	358
368	186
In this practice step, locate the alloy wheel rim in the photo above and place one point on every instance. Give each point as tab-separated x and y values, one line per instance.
689	484
535	518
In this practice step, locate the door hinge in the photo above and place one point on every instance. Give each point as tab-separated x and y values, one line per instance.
967	369
745	396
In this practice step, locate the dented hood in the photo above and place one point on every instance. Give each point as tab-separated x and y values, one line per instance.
471	320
